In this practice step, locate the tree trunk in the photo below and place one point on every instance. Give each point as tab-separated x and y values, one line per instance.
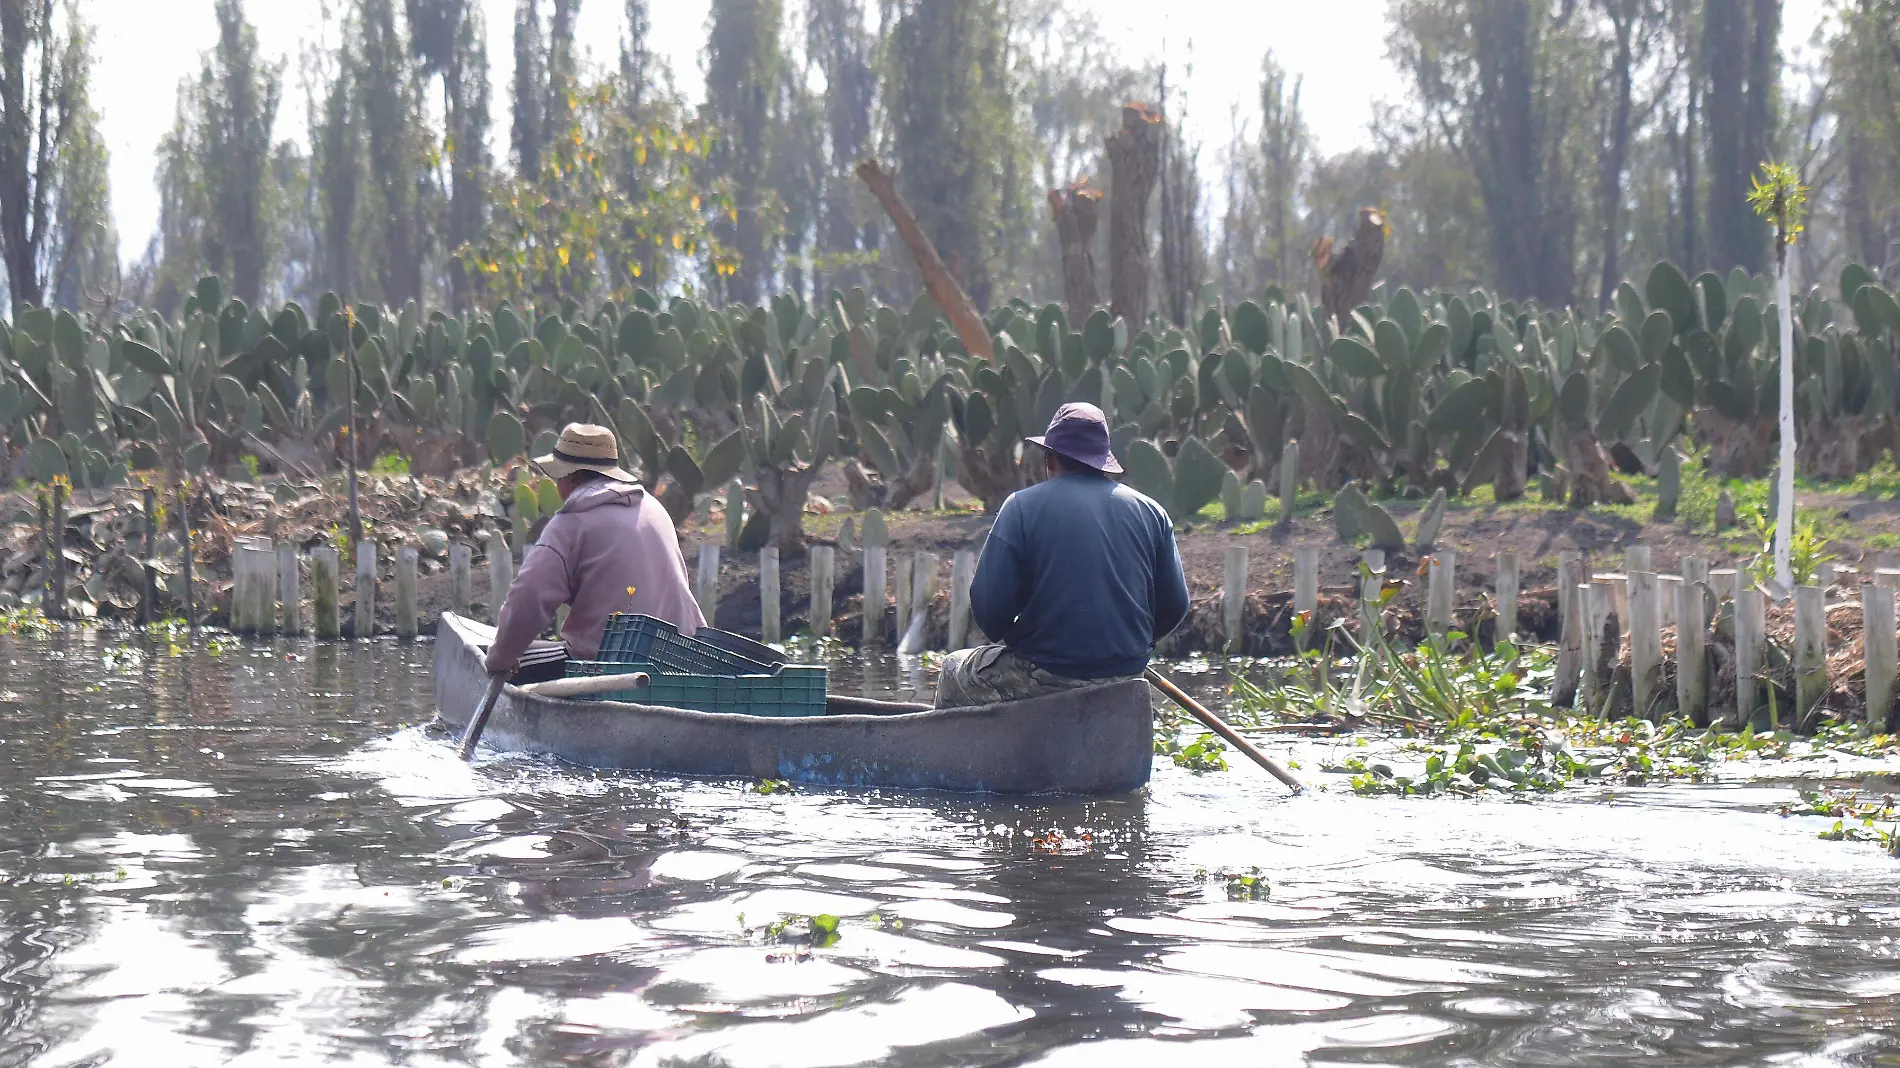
1513	467
990	477
950	298
1077	209
782	495
1615	156
869	490
1134	160
1590	481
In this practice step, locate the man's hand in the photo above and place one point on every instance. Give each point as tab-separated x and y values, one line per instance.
496	667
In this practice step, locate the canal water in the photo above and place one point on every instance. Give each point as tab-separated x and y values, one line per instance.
267	855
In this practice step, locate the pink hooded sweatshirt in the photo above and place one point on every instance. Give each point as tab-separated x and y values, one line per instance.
606	537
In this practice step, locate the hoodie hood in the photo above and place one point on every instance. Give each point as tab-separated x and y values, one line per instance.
602	493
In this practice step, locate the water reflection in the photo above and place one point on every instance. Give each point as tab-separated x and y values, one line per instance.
268	855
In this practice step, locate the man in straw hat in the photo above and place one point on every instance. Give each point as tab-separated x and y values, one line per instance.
1079	579
611	548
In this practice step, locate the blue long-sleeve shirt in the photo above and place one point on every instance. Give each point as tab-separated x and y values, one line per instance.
1081	576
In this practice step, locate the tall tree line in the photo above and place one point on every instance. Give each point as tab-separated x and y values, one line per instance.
56	236
1544	147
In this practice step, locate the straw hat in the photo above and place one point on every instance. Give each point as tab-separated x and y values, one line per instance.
584	447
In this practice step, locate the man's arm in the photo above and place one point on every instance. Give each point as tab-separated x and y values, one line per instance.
540	587
996	593
1171	592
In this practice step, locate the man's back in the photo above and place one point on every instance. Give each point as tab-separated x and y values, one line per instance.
607	538
1080	576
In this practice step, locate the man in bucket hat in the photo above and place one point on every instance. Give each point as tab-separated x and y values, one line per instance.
611	548
1079	579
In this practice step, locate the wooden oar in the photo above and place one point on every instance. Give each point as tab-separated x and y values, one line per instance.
1219	726
577	687
480	722
587	686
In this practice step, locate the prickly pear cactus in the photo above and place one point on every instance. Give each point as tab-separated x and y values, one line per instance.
875	532
1230	493
1429	523
1668	483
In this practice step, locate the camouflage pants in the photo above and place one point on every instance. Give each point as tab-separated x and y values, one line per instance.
991	673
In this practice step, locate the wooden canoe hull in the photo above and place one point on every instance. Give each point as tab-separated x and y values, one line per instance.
1095	741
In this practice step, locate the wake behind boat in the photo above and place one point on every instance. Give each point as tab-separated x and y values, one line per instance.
1093	741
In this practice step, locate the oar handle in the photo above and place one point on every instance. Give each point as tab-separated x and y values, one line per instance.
1219	726
480	721
590	685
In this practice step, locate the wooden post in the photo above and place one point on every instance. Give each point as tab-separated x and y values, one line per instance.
406	628
46	555
236	620
1810	651
1440	589
1569	651
323	596
1751	608
461	578
1824	575
1692	635
59	554
289	588
1233	592
1602	641
1888	577
1695	569
876	573
501	574
1645	630
364	615
924	575
1636	558
1722	581
824	561
905	588
1619	598
1569	628
1306	580
1667	587
1570	575
148	590
184	525
962	574
1289	483
706	581
1695	572
1881	652
1507	593
769	631
263	588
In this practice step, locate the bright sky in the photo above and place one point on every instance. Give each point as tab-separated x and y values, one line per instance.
1337	46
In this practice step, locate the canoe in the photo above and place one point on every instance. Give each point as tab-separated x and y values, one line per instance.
1093	741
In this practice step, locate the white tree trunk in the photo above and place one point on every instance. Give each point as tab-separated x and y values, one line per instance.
1784	494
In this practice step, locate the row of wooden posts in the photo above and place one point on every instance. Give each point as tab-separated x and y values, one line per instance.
1596	609
267	587
267	592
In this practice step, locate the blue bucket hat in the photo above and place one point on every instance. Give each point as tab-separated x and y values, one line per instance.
1080	432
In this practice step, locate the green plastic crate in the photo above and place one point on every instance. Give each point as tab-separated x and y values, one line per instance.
634	639
792	690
